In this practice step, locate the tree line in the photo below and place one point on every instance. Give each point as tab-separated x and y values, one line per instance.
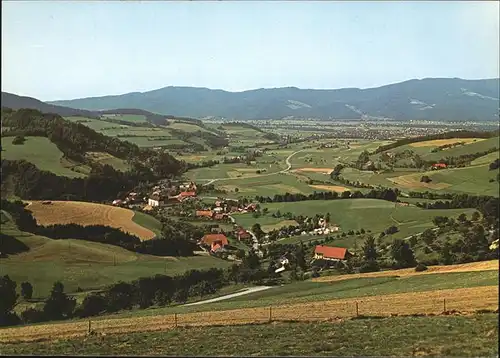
177	239
159	290
383	194
488	206
447	135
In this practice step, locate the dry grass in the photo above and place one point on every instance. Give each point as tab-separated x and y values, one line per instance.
315	170
439	142
83	213
473	266
193	157
413	181
430	302
336	188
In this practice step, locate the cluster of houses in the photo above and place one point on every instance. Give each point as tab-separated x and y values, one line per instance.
131	198
161	195
329	254
173	193
218	242
223	207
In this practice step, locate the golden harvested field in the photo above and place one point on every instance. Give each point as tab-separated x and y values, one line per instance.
464	300
413	181
83	213
338	189
439	142
193	157
315	170
473	266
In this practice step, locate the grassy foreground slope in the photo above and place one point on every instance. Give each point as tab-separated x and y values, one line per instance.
397	336
86	265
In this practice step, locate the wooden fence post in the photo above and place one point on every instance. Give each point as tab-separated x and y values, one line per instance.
444	304
89	326
270	314
175	320
357	309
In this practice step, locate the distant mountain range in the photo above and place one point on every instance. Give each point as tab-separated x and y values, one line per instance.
448	99
13	101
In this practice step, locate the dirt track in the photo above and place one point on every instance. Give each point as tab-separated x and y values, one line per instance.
430	302
473	266
83	213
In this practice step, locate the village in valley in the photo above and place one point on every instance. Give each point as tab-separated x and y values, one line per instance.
219	210
290	179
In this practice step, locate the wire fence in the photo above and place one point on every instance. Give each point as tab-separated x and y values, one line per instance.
459	301
486	301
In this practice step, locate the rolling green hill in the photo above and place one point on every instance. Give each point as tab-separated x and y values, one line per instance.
86	265
44	154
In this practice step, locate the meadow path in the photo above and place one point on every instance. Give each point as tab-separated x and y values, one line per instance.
287	162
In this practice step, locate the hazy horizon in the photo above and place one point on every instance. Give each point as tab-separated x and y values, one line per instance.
66	50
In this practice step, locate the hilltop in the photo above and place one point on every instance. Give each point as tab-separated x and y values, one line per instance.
449	99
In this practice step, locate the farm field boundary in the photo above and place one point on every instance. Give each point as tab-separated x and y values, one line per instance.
83	213
463	300
469	267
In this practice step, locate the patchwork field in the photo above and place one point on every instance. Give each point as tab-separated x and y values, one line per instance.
143	136
41	152
315	170
474	180
336	188
83	213
106	158
439	142
441	336
355	214
424	149
266	185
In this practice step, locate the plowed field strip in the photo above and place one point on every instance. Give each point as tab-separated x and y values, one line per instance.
463	299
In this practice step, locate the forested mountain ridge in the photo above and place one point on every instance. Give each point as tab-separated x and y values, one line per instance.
448	99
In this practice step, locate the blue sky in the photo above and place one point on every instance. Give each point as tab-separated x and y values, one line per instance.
70	49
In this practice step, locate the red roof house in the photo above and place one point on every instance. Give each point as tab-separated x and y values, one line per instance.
204	213
209	239
330	253
243	234
439	166
220	216
215	247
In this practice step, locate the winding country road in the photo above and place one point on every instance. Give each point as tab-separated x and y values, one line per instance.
244	291
287	162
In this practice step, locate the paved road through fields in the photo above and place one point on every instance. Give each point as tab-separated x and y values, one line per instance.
245	291
287	161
